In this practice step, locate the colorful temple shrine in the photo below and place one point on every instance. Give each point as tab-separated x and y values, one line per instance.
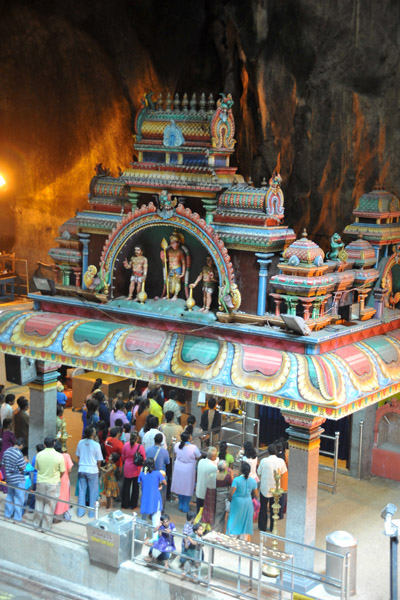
182	273
180	216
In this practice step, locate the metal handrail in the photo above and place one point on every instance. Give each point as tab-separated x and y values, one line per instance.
235	418
342	584
69	502
335	456
257	560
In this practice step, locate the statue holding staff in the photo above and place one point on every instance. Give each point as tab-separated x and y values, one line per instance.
174	259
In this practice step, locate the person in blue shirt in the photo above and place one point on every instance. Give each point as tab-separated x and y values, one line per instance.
151	502
61	397
161	460
32	497
104	411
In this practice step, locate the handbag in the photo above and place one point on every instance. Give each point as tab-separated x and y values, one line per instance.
227	505
138	459
256	506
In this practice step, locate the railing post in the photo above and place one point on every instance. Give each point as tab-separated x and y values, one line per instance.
96	509
210	557
348	566
134	517
335	461
360	445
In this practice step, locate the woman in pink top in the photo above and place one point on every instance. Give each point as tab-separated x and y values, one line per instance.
63	507
130	487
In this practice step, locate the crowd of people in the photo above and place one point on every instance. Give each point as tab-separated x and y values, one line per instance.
143	452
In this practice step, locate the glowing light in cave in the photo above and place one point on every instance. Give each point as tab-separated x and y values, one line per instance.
2	181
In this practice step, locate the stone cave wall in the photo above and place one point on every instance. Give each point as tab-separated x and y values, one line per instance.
314	83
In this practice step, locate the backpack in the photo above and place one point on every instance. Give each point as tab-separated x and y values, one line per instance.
138	459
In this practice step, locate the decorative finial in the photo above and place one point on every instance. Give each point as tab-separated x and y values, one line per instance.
250	181
177	102
211	103
168	103
264	183
160	101
202	103
185	102
193	103
304	234
379	186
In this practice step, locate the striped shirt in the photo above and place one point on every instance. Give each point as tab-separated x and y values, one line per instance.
14	464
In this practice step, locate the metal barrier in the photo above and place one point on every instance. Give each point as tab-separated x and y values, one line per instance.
334	455
360	448
47	530
235	430
242	572
221	568
338	587
227	568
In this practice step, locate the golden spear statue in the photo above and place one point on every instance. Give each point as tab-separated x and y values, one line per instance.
164	246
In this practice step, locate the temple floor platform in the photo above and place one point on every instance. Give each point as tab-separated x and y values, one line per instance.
355	508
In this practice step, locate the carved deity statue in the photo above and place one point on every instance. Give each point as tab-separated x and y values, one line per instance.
337	252
138	264
173	136
209	276
175	263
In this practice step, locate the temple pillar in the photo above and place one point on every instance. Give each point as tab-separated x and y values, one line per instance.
316	308
277	299
306	304
43	404
133	198
66	272
77	272
304	440
323	303
209	204
360	462
84	238
263	260
291	302
361	298
197	402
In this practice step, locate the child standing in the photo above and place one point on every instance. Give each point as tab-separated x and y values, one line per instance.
193	549
126	432
111	489
187	532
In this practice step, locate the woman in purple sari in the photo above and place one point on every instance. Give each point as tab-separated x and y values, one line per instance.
184	475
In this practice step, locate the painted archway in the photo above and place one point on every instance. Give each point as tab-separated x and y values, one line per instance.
182	219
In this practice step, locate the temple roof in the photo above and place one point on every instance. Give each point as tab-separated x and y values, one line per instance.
377	203
332	384
305	250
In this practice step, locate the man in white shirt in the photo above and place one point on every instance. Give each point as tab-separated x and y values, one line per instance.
265	471
171	404
206	476
6	411
148	437
90	458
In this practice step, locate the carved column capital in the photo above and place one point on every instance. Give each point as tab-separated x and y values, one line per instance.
304	431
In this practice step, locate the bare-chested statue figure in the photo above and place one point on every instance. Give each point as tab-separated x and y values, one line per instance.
209	276
138	264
